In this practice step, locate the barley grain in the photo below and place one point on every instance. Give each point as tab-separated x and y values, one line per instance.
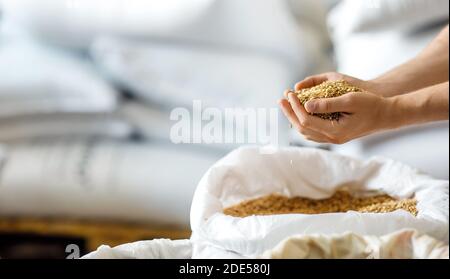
328	89
341	201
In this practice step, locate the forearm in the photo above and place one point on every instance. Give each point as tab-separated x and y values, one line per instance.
425	105
430	67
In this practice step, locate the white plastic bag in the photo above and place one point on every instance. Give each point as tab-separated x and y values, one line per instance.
36	79
78	23
101	179
162	249
246	173
148	249
405	244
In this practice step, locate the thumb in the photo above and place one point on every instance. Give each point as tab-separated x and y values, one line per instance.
329	105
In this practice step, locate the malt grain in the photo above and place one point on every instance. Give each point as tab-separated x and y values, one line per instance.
328	89
341	201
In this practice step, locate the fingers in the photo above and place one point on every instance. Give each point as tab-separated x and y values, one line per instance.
312	127
311	81
289	113
296	106
317	137
327	105
306	120
318	79
308	133
286	92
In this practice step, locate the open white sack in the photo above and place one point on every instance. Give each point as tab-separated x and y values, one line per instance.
162	249
146	249
246	173
404	244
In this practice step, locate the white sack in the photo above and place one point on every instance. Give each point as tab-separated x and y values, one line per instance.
77	23
246	174
353	16
405	244
177	74
36	79
2	156
98	179
162	249
63	125
372	37
397	145
208	59
149	249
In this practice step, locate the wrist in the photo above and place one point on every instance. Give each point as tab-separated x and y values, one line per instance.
382	87
396	112
403	110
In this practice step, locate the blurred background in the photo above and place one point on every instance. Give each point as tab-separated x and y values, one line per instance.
87	87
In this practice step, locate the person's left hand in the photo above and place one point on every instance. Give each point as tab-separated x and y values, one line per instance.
362	113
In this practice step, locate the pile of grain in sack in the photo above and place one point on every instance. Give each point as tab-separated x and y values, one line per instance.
341	201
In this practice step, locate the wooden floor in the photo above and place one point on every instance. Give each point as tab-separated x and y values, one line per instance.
93	233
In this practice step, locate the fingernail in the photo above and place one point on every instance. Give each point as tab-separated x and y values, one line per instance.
310	106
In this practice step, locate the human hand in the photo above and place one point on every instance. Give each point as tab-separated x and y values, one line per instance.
362	113
371	86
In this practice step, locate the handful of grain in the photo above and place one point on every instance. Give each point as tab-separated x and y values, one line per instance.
328	89
341	201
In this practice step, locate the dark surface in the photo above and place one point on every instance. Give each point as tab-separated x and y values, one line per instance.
34	246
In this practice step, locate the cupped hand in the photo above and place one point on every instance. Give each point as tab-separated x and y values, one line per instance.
362	113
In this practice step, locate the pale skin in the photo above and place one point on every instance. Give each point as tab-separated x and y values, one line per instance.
415	92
